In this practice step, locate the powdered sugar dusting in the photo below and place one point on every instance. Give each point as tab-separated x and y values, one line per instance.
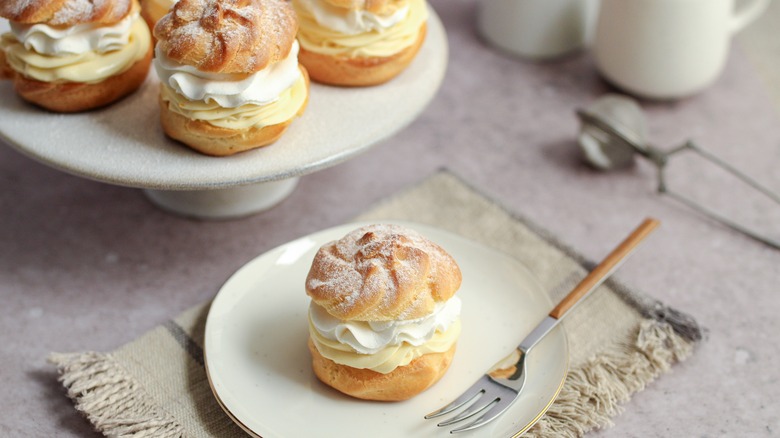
18	7
229	36
371	266
74	11
65	13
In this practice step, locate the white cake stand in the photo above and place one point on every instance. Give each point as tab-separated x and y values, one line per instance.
125	145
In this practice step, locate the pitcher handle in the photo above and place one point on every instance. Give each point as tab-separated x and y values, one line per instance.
747	14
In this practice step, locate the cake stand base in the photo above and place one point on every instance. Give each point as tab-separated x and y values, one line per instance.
223	203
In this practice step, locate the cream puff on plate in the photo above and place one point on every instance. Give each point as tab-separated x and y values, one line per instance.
383	318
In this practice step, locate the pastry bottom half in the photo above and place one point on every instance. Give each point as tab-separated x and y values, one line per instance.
71	97
400	384
358	72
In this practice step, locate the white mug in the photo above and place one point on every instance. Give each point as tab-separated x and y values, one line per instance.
665	49
537	29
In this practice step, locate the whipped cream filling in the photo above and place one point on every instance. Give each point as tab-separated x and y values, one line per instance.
388	359
351	22
74	40
289	104
229	90
317	38
371	337
89	67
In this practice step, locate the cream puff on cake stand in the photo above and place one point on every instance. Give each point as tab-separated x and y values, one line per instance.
124	144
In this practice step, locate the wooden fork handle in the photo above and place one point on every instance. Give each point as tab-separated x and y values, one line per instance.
605	268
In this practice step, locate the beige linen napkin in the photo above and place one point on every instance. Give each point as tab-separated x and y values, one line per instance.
620	340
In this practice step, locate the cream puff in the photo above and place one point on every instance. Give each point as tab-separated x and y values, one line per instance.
230	75
74	55
359	42
383	318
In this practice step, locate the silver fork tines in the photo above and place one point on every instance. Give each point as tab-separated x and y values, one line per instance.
488	396
468	395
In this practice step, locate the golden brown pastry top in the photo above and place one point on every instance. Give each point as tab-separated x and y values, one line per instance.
227	36
65	12
379	7
382	273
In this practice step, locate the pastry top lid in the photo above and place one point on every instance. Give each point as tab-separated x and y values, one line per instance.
227	36
65	12
382	273
379	7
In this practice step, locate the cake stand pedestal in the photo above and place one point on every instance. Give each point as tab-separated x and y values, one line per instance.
124	144
229	202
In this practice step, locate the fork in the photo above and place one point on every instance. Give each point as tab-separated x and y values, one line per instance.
495	391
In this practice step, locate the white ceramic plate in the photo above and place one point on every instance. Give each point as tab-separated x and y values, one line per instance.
124	143
259	366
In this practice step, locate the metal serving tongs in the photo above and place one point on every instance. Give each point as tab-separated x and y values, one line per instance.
495	391
613	132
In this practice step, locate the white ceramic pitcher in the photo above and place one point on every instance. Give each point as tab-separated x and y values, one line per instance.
537	29
665	49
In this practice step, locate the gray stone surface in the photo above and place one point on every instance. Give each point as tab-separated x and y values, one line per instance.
85	265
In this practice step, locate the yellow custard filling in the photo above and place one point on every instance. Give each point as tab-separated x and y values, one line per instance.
246	116
318	39
388	359
90	67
